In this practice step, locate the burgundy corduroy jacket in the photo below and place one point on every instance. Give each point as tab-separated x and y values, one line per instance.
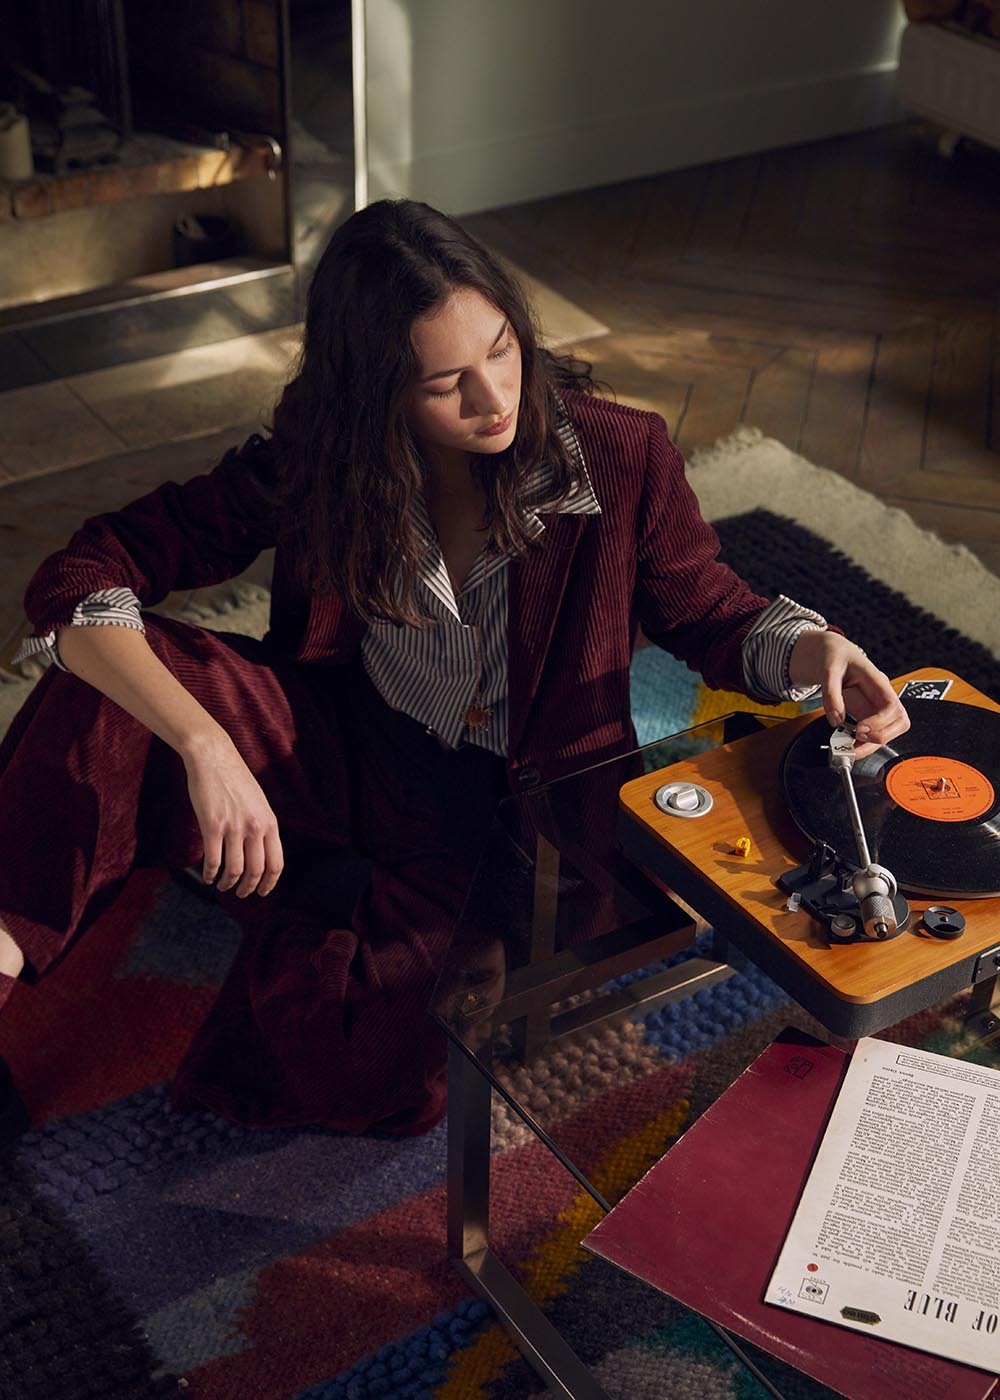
575	598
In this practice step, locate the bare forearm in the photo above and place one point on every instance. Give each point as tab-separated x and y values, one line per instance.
120	663
242	846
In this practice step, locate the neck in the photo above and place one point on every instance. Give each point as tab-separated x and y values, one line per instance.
447	469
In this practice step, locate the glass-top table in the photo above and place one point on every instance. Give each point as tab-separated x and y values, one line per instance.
561	934
563	931
554	898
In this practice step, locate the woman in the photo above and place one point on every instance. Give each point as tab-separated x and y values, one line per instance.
466	541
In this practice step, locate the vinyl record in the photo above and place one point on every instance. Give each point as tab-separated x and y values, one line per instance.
929	800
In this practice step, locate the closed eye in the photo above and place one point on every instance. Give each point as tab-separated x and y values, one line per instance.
499	354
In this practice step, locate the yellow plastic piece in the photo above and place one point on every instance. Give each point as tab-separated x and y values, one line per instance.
744	846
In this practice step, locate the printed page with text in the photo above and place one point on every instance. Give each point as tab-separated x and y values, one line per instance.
897	1232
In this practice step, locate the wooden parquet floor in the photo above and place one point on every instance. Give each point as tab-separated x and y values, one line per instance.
842	296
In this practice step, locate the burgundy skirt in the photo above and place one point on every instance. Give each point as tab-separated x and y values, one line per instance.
323	1017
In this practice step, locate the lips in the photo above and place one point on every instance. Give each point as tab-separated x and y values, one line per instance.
497	428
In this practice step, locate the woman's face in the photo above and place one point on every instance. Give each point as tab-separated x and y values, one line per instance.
468	386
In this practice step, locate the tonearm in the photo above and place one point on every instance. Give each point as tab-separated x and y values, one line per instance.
854	901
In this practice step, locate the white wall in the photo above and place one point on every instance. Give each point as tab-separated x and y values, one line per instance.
471	104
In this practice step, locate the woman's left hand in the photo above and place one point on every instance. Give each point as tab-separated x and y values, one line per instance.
851	685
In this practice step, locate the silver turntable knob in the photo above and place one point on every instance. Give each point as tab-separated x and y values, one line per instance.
680	799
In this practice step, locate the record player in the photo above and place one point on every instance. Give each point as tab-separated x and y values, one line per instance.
868	895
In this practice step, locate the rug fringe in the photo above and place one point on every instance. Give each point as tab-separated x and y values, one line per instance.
744	439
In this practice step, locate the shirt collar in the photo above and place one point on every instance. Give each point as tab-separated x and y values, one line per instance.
580	499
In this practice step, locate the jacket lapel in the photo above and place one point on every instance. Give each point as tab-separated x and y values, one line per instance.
537	583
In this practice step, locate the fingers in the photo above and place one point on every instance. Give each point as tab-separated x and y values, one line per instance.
232	869
253	862
882	725
833	697
878	710
239	830
851	684
841	665
823	658
213	855
274	862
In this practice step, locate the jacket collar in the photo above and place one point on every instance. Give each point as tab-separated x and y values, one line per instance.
537	584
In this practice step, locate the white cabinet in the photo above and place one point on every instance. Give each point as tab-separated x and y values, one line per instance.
953	77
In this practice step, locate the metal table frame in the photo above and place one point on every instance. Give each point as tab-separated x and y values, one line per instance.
528	1006
530	995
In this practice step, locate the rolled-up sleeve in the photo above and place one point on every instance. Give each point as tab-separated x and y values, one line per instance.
179	536
767	651
108	607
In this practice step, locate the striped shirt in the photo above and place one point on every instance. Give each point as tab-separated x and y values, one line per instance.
437	673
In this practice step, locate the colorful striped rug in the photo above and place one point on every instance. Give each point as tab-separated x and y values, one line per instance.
143	1253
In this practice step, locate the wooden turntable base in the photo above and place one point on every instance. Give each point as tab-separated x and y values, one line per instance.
852	988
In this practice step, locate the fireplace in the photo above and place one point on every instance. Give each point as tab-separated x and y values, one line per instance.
158	136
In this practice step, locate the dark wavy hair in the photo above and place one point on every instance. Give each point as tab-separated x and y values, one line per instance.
348	468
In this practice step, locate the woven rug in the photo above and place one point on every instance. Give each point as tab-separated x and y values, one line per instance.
144	1253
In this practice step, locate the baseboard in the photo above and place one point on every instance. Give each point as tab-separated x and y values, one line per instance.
587	153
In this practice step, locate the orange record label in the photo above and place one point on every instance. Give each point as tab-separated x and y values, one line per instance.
940	789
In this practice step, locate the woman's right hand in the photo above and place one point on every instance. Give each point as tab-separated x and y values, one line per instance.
239	830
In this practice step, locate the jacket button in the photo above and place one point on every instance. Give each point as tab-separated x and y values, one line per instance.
529	777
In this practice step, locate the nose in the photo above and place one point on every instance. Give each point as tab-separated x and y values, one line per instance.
486	396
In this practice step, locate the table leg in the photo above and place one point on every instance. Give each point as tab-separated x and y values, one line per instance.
545	1350
468	1237
720	946
530	1035
982	1015
468	1155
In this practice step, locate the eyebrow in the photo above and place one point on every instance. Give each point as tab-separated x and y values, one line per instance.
447	373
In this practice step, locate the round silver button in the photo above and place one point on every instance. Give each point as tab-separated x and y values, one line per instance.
680	799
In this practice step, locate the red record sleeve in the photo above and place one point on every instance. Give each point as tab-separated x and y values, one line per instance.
706	1225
